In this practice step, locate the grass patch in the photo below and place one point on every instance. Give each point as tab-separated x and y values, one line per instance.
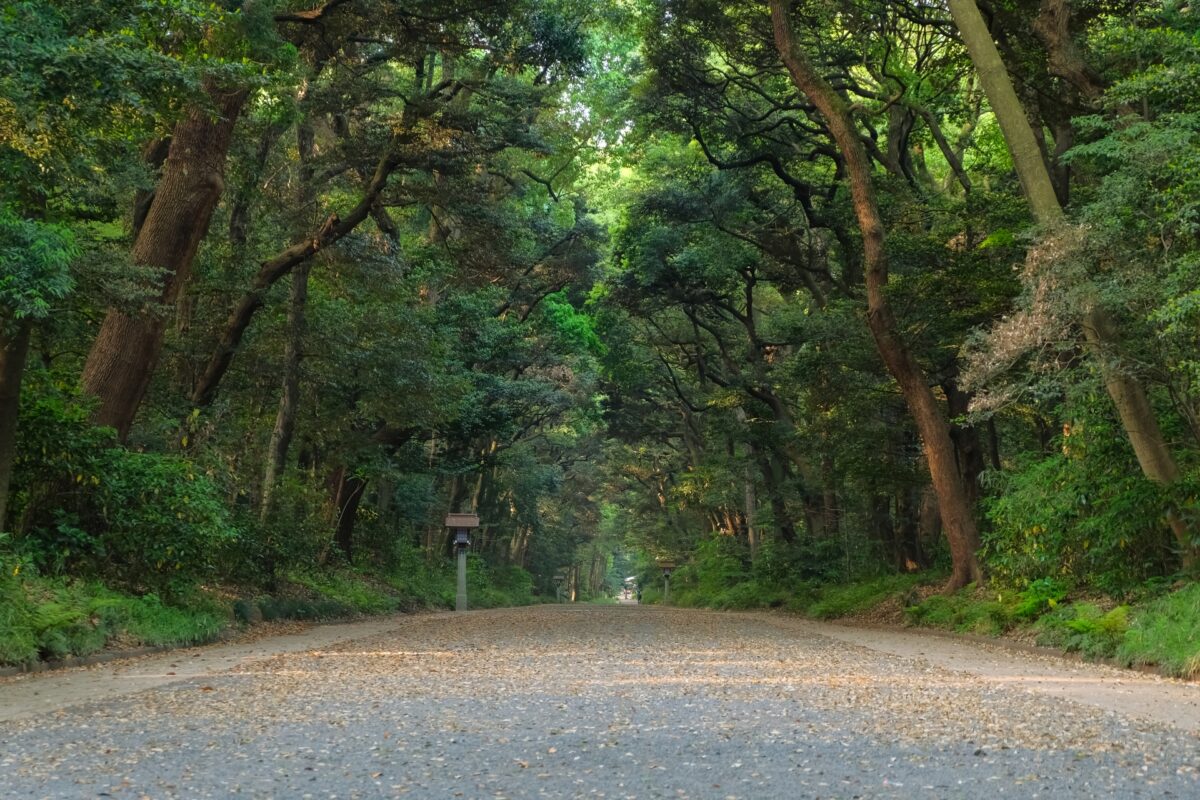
43	619
53	618
741	592
843	600
1084	628
750	594
1166	632
1162	632
350	590
968	611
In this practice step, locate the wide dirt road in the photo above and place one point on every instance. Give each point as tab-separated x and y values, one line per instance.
613	702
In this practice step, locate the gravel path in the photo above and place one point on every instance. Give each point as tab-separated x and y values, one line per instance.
602	701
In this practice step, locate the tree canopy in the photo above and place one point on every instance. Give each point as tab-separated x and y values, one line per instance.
784	292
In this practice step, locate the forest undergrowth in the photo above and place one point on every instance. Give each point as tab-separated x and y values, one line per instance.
45	619
1155	624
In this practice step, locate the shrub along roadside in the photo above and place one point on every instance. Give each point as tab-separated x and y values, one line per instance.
52	618
1162	630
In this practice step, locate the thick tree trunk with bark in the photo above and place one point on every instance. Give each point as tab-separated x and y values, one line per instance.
126	350
1053	27
958	517
14	349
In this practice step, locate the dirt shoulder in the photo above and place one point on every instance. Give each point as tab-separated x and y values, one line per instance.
1129	693
30	695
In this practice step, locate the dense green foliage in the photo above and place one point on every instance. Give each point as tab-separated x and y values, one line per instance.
595	273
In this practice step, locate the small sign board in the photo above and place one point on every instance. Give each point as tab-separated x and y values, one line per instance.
462	520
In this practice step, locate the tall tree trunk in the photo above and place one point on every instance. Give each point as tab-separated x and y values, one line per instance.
126	350
750	499
750	503
966	440
773	471
1002	97
830	507
348	490
883	526
285	418
958	517
1100	332
14	348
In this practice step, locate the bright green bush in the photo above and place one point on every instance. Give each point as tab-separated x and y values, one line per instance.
1085	628
294	536
17	641
652	595
145	522
1042	595
1166	632
420	583
1084	514
719	564
496	587
721	575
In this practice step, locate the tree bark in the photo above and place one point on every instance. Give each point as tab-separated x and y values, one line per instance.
772	468
750	503
830	506
1053	27
966	440
1100	332
126	350
14	349
289	398
1010	114
958	517
348	491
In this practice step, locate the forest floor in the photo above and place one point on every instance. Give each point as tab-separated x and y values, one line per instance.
598	701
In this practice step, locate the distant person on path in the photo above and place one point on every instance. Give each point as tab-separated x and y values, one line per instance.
639	595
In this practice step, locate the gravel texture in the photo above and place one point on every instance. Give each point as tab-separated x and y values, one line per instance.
593	701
